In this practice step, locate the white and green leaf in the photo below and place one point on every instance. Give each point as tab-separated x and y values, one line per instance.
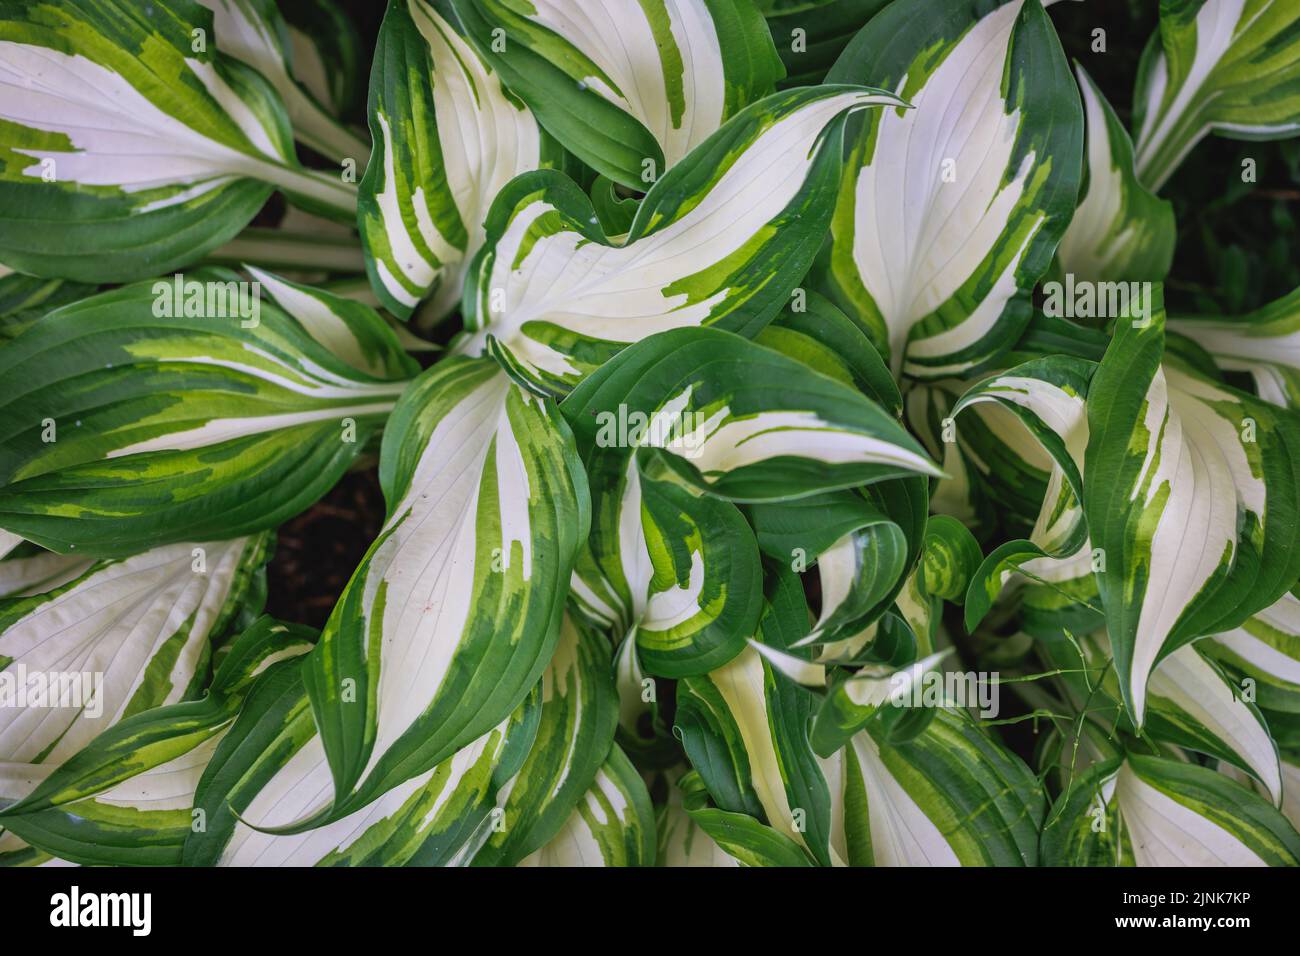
612	825
1166	813
454	612
742	837
710	415
629	88
132	145
950	796
1264	649
674	569
682	841
271	769
1195	705
579	714
949	212
755	722
852	702
1034	415
721	239
1191	493
123	637
676	423
255	33
863	542
142	821
1120	231
126	798
128	425
1264	343
1215	66
1191	702
447	137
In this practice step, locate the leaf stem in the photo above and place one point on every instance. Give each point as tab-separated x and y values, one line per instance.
314	127
319	189
280	249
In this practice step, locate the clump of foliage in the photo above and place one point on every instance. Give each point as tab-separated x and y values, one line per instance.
813	432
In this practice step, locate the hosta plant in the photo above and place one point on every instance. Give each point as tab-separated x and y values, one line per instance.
792	452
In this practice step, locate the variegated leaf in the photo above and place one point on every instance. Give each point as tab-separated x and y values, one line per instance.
454	611
142	821
681	418
682	841
579	714
951	796
949	212
1162	812
255	33
1083	827
1264	343
124	637
721	239
740	836
612	825
1265	649
949	555
133	145
1191	703
271	769
707	411
1191	493
863	542
129	423
756	722
350	330
629	88
152	737
950	558
126	798
1120	231
672	568
851	703
447	138
1033	414
1222	66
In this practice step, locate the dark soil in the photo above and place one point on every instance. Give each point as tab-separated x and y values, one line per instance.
317	551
